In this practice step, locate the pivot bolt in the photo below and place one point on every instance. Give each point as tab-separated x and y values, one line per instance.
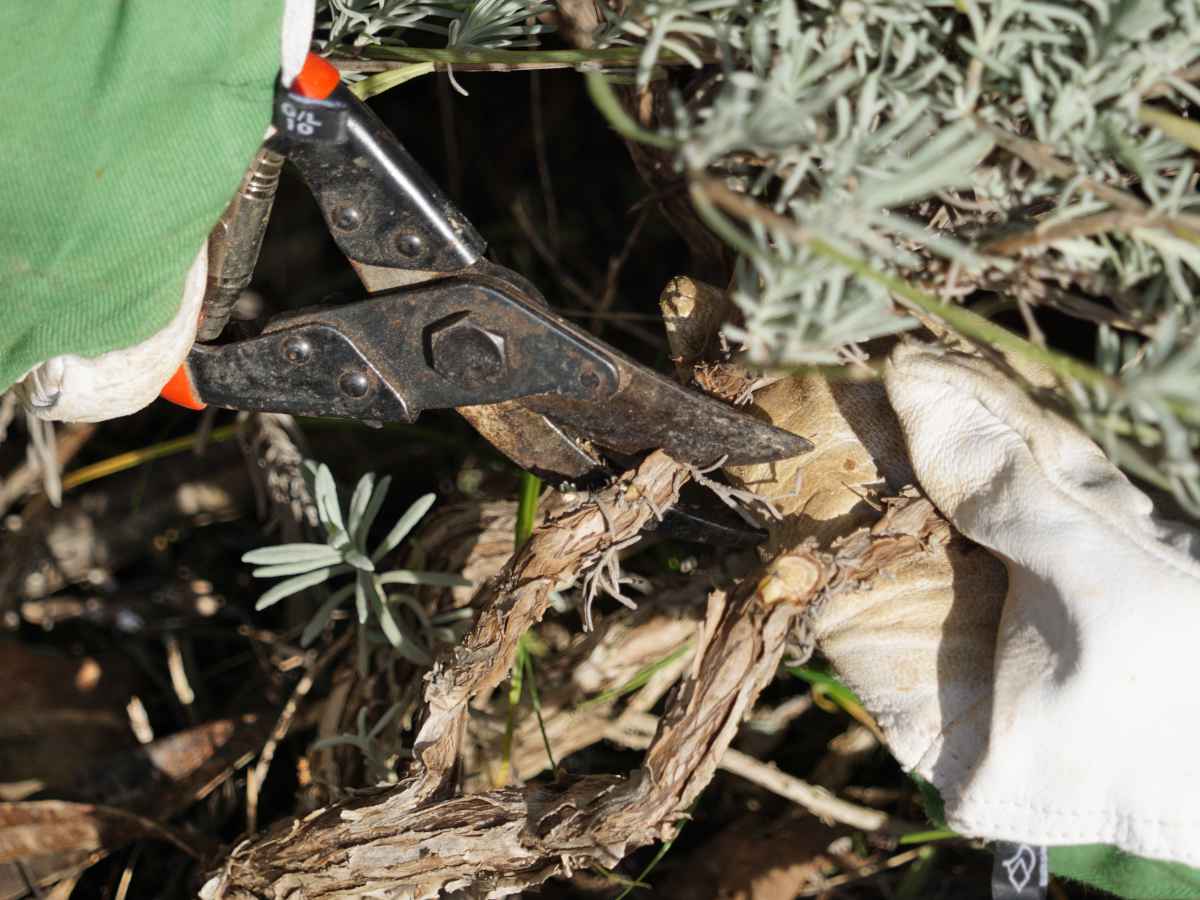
464	352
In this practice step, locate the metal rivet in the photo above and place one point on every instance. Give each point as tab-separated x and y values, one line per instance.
297	350
354	385
346	218
410	245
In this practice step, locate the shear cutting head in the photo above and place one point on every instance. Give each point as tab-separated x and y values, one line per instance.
441	327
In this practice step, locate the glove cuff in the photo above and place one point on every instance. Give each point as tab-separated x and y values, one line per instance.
72	388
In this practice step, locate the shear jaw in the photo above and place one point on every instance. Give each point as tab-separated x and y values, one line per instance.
442	327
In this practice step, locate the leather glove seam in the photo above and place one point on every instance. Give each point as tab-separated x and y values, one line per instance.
1137	537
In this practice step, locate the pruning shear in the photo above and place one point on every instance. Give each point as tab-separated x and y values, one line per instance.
441	327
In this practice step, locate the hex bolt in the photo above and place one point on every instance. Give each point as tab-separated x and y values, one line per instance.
297	350
465	352
354	385
345	217
410	245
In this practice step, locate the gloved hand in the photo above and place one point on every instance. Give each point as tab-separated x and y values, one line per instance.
126	152
1085	730
1051	704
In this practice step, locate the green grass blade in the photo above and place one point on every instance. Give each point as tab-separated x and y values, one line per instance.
837	692
531	489
638	680
641	879
531	680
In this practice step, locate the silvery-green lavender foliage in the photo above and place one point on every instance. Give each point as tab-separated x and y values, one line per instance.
480	24
909	135
865	124
346	553
379	745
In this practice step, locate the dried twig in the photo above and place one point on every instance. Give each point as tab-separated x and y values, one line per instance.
34	828
274	451
868	871
42	452
256	776
595	307
24	477
635	729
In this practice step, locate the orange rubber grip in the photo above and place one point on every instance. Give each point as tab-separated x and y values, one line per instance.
317	79
181	391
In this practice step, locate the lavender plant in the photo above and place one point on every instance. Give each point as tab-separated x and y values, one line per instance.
481	24
346	553
879	162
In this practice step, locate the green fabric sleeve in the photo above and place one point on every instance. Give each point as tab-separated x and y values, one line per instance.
128	124
1124	875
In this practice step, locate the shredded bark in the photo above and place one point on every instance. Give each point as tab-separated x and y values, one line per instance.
424	837
499	842
556	554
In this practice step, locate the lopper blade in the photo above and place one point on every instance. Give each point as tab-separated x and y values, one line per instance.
649	412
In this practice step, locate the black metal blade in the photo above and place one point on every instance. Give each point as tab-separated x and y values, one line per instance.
649	411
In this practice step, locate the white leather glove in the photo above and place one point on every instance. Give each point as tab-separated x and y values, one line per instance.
72	388
1064	712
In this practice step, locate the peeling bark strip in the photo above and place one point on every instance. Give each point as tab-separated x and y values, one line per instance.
807	574
556	554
